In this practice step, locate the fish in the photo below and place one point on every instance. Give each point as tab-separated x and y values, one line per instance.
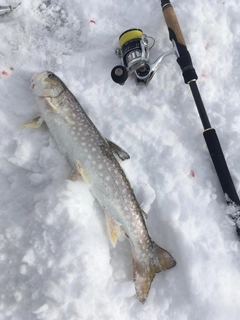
98	161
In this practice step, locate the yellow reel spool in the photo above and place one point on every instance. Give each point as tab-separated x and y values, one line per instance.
130	35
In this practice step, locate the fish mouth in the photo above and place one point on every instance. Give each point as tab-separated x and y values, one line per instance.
33	80
40	76
37	77
42	88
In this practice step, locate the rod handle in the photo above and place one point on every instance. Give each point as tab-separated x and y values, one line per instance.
221	167
175	34
223	173
172	23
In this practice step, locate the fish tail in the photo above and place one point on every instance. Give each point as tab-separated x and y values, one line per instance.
144	269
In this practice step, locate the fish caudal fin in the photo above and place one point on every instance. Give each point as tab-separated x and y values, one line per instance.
144	269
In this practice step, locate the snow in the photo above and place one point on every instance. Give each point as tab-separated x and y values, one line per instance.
56	261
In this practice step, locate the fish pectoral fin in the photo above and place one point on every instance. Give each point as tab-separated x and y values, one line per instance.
144	268
35	123
114	229
49	104
117	151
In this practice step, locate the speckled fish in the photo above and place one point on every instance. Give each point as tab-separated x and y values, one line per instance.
97	159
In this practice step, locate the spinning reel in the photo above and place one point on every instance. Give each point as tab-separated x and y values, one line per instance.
134	54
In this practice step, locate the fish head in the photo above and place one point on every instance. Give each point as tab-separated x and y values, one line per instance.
47	84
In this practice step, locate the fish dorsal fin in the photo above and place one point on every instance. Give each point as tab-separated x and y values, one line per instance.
117	151
114	229
34	123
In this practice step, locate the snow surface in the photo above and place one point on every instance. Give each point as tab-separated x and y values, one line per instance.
56	261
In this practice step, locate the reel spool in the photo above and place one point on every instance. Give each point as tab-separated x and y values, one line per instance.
134	54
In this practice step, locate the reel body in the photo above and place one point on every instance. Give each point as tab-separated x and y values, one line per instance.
134	55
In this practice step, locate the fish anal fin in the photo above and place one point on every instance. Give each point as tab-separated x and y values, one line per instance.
114	229
118	151
74	175
144	269
82	172
34	123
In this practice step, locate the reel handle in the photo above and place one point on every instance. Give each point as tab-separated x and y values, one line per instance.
119	74
175	34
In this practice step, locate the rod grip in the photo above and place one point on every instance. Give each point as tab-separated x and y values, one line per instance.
172	23
221	167
175	34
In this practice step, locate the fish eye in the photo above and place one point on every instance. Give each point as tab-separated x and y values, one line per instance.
50	75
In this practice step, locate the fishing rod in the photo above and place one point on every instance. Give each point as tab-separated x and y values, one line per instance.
190	77
134	53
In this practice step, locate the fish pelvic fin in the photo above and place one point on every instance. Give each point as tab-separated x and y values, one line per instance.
79	170
144	269
75	175
114	229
